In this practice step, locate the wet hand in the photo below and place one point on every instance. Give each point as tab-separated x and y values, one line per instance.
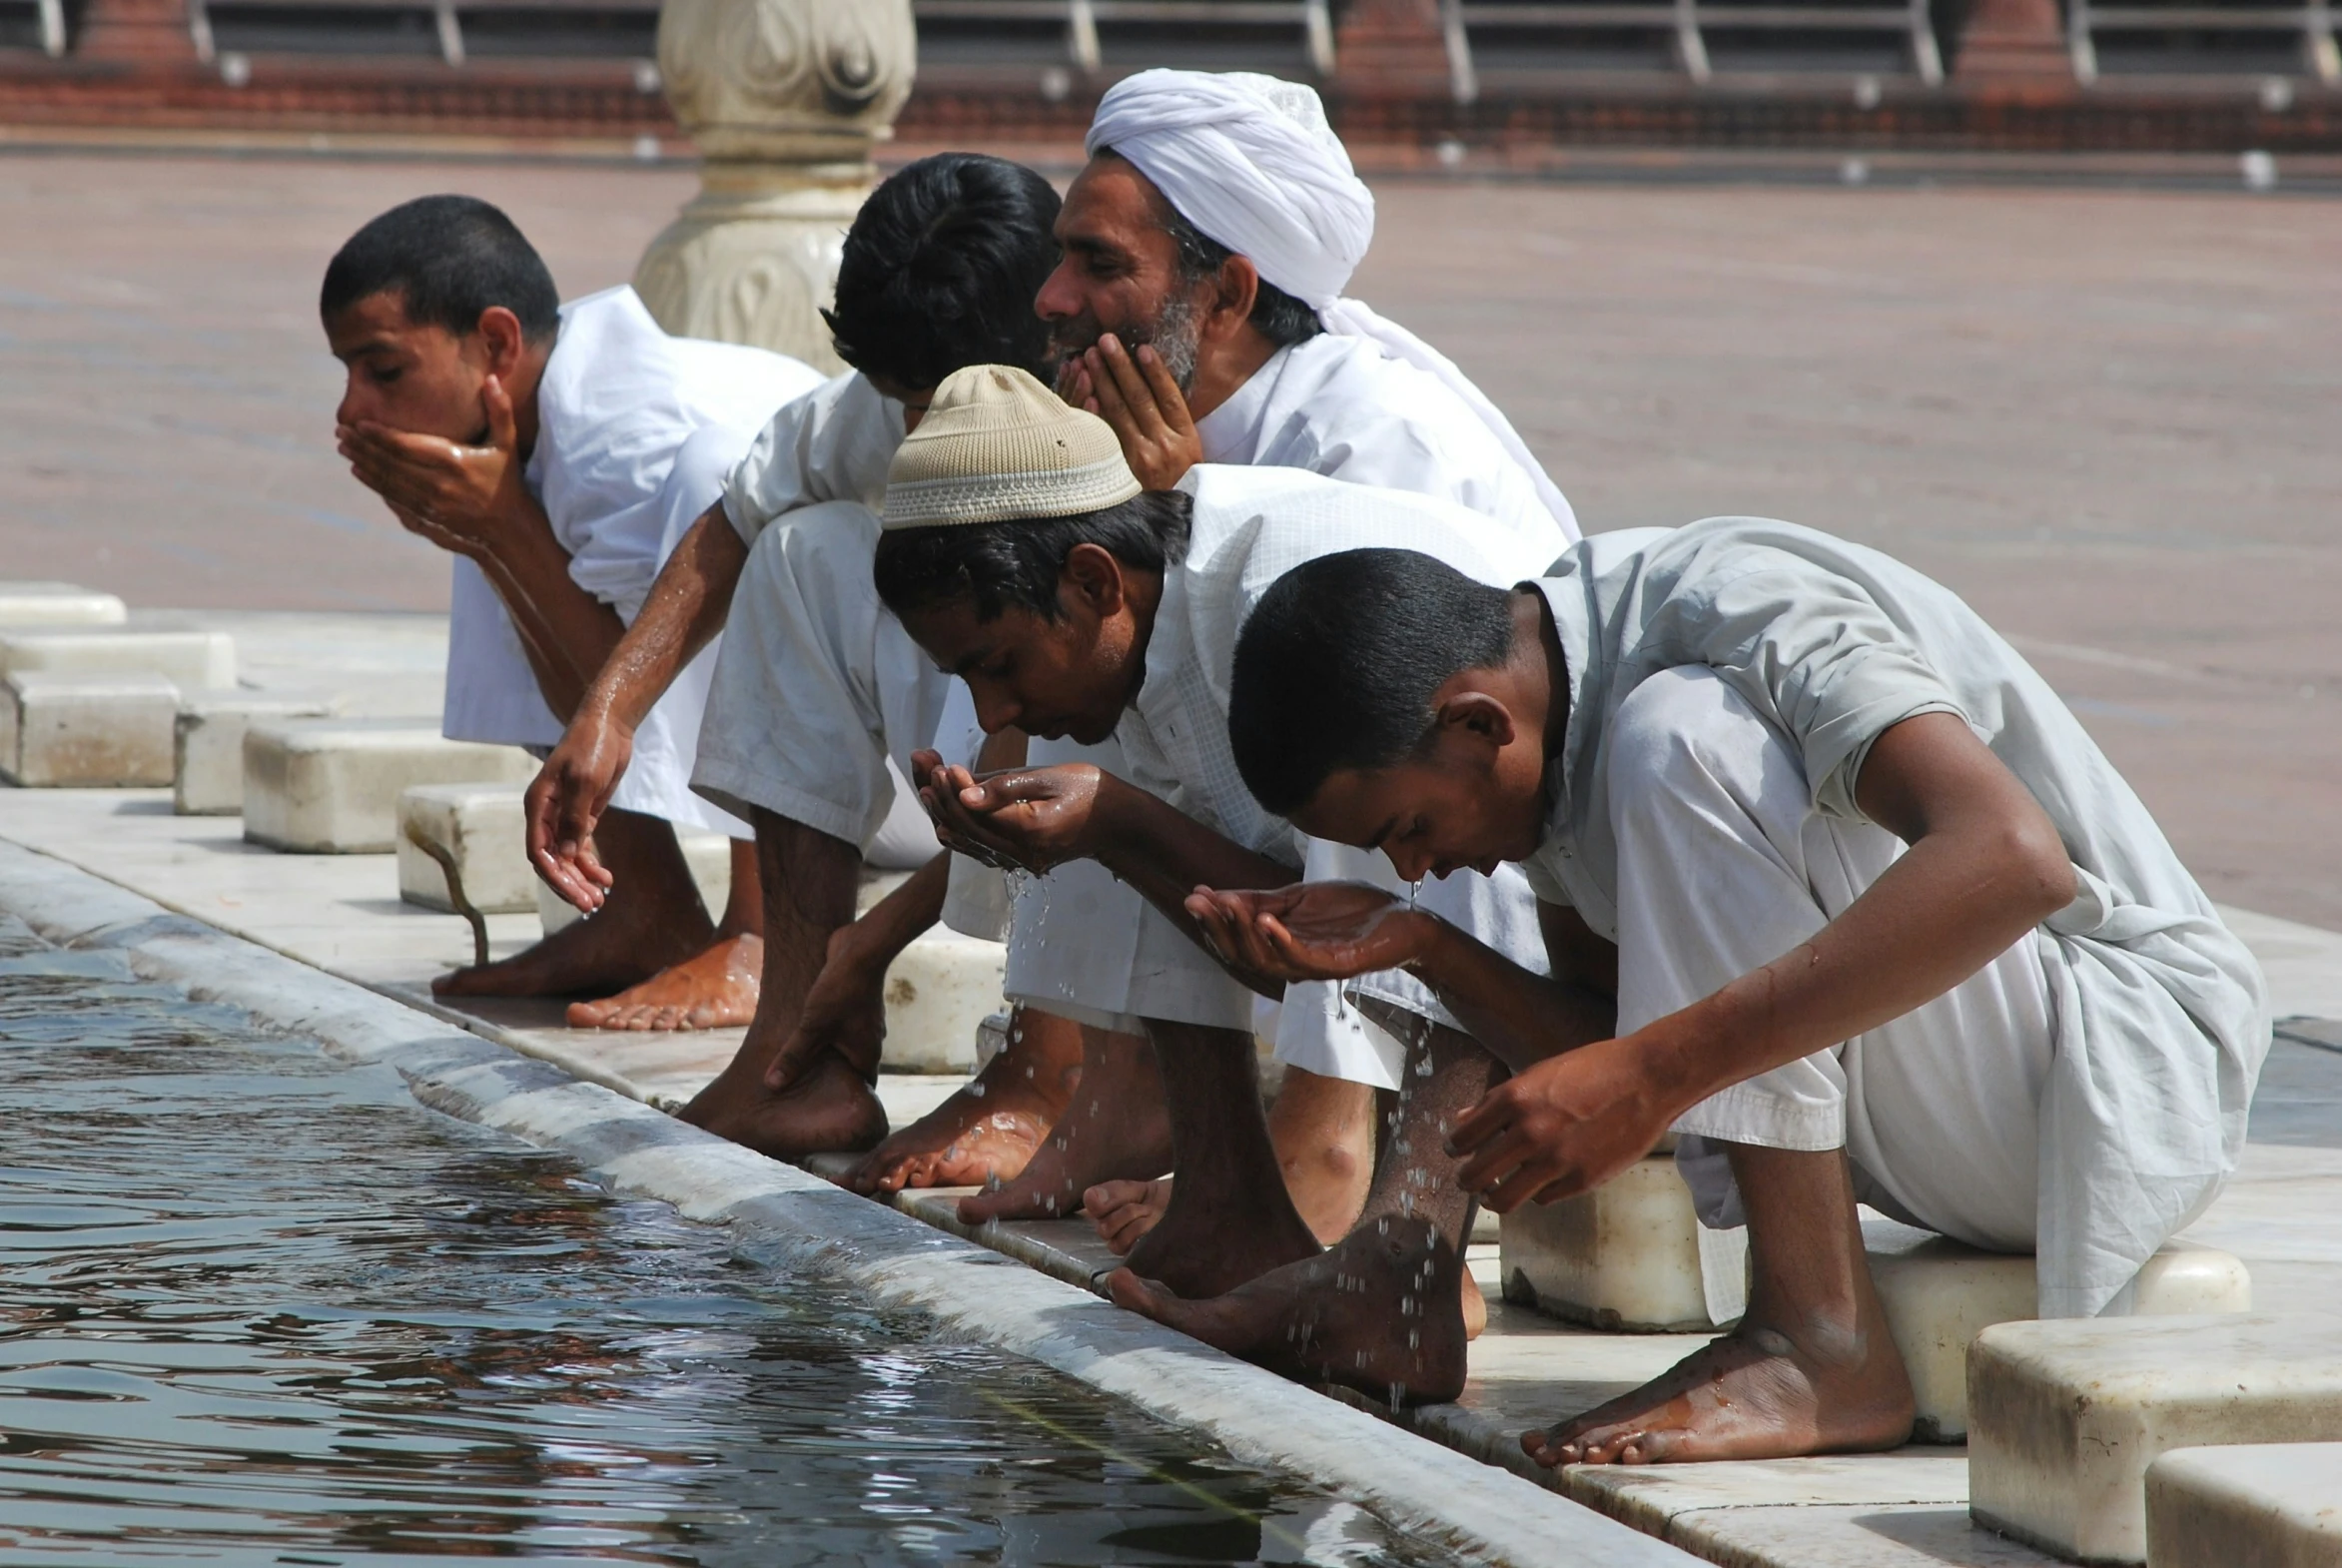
1313	930
844	1011
459	498
1564	1127
1026	819
566	800
1148	412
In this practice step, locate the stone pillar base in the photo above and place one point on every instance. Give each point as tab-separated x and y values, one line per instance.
752	258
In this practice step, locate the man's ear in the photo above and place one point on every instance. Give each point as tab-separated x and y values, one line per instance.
1476	720
500	335
1093	577
1234	290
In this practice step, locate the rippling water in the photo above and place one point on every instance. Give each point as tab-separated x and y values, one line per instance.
259	1307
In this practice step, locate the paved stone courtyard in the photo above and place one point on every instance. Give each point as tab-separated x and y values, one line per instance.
2107	418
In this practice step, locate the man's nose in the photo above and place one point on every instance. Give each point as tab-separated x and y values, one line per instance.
1060	296
995	714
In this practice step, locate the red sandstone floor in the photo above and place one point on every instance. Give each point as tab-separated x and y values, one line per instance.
2108	419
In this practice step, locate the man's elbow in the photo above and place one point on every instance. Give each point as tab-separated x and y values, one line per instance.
2040	871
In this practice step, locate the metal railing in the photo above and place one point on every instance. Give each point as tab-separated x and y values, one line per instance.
1686	24
2313	21
446	15
1080	17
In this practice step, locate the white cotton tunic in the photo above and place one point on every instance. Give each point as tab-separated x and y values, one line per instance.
635	433
1342	407
2160	1016
1333	406
1251	526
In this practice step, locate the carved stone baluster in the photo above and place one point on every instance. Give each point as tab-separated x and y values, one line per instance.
787	99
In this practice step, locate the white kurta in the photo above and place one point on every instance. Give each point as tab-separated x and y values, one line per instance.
817	659
2124	1035
1336	405
1251	526
635	431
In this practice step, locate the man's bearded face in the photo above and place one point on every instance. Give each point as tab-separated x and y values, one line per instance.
1121	273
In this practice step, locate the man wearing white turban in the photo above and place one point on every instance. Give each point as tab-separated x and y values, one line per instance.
1198	310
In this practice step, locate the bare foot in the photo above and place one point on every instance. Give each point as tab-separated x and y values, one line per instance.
1750	1394
987	1132
1123	1212
1378	1313
1115	1128
714	989
586	958
827	1110
1209	1243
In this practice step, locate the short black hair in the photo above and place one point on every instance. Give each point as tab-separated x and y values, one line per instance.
1338	665
1276	315
940	267
449	258
998	565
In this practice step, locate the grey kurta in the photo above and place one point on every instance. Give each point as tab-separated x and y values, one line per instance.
2161	1015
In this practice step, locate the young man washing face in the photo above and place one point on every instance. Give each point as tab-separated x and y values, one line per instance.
1879	921
1022	555
555	451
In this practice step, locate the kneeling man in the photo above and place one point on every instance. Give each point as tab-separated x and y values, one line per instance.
1022	553
1881	921
557	453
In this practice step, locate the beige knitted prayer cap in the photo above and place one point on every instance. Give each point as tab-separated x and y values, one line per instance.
998	446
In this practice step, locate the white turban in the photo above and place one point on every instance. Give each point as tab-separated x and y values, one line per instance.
1252	163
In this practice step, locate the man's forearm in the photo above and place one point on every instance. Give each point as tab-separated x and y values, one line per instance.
900	918
684	611
569	632
1166	855
1522	1018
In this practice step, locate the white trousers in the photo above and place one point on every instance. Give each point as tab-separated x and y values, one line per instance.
492	694
1724	866
820	697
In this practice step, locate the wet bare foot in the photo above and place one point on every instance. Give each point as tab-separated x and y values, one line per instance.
1116	1128
1750	1394
1123	1212
1378	1313
828	1109
987	1132
586	958
1207	1243
714	989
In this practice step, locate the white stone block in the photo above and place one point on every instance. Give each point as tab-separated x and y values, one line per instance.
58	604
2270	1505
85	732
480	826
330	786
1939	1295
191	660
709	855
939	992
1623	1257
2066	1416
207	775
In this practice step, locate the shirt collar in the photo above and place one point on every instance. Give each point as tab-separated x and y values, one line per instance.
1233	432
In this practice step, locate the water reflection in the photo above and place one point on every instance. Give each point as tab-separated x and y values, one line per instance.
257	1308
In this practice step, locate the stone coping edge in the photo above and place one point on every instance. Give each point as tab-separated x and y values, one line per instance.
784	1217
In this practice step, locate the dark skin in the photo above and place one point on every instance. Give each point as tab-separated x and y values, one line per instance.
440	425
1811	1369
